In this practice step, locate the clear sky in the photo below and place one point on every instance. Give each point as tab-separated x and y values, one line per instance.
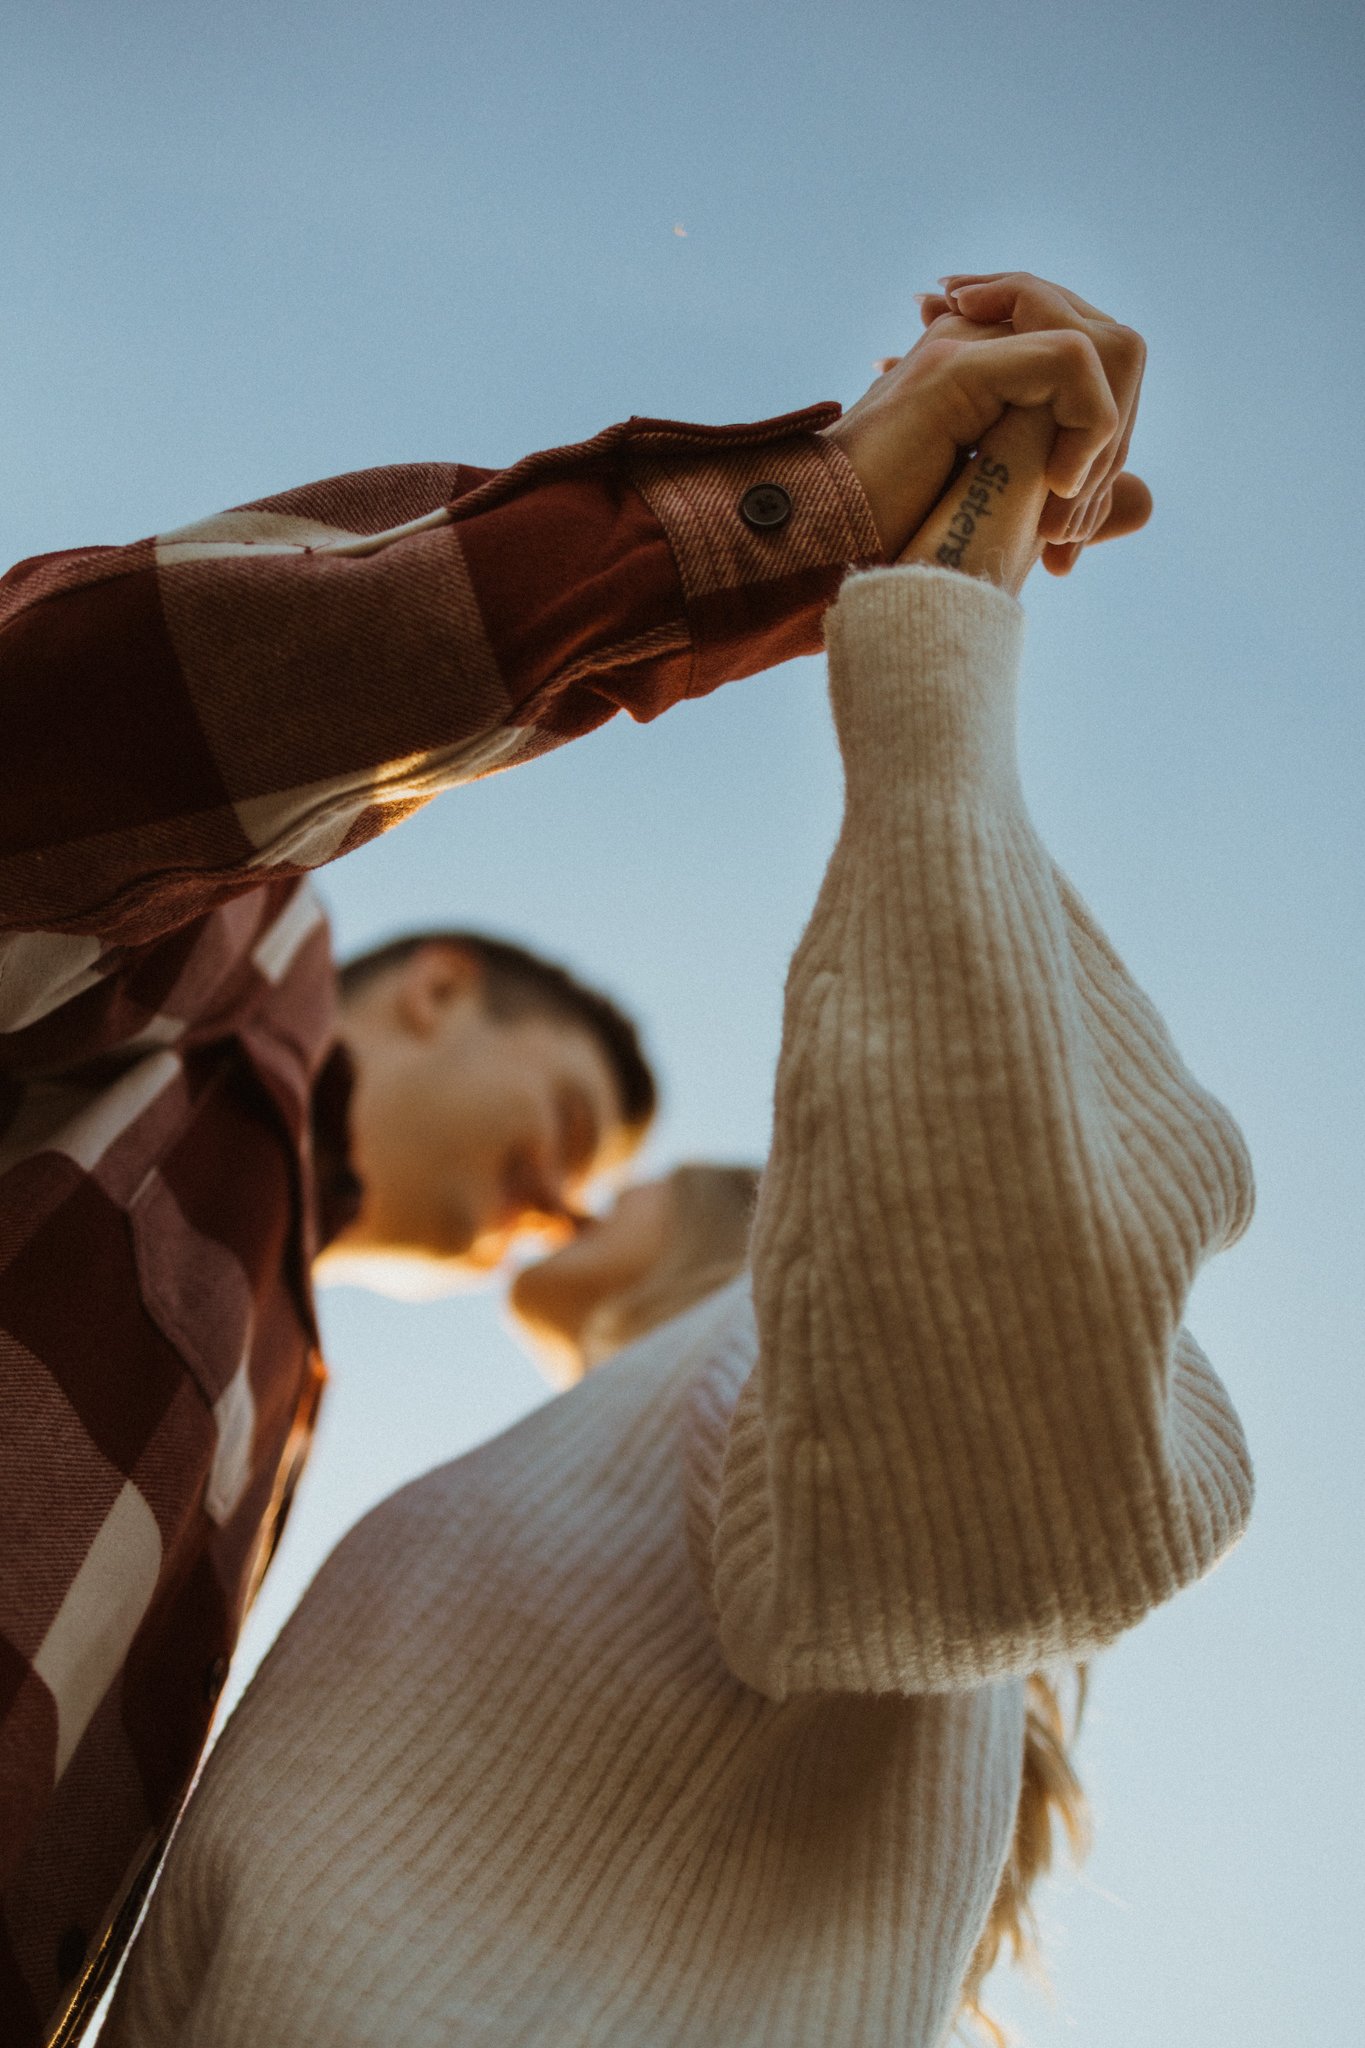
243	249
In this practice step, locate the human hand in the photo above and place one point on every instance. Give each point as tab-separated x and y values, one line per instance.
1112	501
986	522
905	435
908	433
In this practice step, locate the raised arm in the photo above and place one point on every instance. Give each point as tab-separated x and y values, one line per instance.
247	697
976	1435
192	716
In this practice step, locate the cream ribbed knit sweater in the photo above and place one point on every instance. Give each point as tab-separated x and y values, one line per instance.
688	1714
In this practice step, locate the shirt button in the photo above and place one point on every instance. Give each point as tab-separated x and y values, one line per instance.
765	506
214	1680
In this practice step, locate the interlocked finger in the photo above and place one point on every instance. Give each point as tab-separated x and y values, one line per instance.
1061	370
1032	304
959	279
1122	508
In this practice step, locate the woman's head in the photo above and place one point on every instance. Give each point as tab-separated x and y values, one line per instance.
664	1245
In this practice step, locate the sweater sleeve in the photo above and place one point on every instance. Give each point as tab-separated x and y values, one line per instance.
975	1436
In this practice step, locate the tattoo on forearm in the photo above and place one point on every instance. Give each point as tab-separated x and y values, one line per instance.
988	481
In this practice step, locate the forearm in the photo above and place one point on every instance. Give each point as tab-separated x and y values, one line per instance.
258	693
991	1184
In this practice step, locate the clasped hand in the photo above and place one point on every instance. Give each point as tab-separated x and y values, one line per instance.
1007	362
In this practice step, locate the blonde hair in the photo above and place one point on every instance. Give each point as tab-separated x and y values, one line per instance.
713	1209
1050	1792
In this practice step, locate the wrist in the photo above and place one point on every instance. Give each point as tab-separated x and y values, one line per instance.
922	666
901	482
986	524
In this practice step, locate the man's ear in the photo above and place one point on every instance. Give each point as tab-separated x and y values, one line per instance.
430	981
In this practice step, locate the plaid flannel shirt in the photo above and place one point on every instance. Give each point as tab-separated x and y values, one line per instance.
191	723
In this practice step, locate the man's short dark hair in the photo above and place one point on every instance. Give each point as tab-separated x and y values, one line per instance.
517	983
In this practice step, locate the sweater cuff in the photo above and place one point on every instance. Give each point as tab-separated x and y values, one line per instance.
756	593
923	665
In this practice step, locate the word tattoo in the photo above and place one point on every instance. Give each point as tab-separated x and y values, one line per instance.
989	482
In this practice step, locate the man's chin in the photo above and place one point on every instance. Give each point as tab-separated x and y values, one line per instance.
486	1253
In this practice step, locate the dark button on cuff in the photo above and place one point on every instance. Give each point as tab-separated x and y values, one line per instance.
214	1680
765	506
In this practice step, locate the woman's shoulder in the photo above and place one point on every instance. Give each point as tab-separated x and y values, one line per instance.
635	1388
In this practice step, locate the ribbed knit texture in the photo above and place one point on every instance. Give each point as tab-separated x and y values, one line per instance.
689	1713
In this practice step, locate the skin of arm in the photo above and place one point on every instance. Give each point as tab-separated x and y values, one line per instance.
986	523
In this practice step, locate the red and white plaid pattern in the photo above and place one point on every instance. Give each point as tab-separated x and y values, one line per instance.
192	723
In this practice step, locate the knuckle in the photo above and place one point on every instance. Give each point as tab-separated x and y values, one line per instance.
1128	347
1079	352
1086	367
1034	303
934	353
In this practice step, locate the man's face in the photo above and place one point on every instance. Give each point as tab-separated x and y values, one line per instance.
467	1127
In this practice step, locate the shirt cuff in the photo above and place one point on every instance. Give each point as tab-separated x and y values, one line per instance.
763	531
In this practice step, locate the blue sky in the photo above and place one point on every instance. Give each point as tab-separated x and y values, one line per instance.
246	249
